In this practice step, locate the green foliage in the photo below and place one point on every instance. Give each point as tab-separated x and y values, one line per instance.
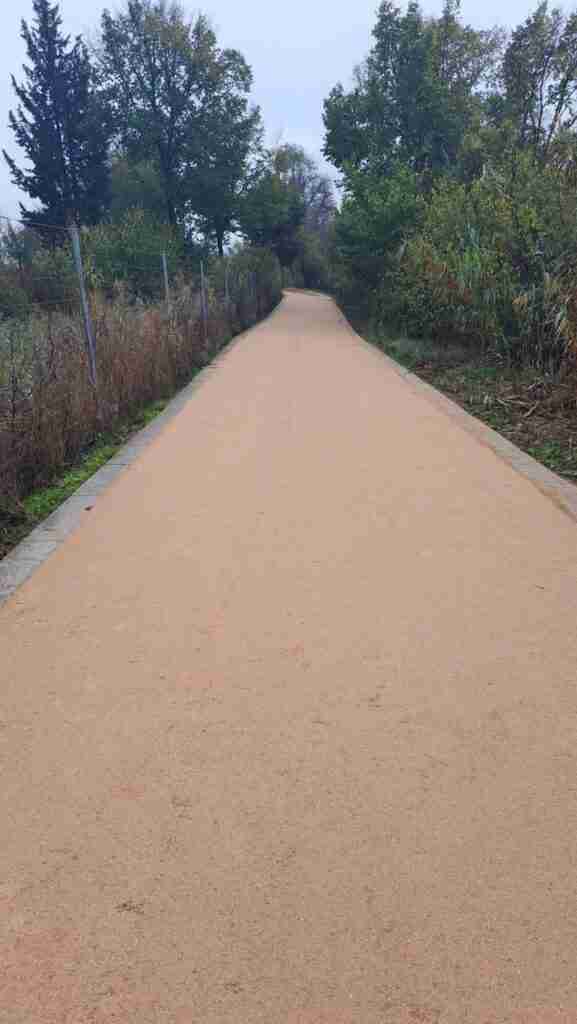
539	74
475	270
62	126
311	268
123	262
376	216
415	97
41	503
127	253
228	138
249	277
135	186
459	159
271	214
158	146
35	276
180	104
297	169
289	207
14	300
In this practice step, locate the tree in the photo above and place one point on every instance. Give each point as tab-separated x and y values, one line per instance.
135	186
271	213
415	97
180	102
18	245
374	221
350	127
61	124
228	137
128	251
289	207
297	169
539	76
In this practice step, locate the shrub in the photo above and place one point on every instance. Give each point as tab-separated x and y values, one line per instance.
127	253
484	267
14	299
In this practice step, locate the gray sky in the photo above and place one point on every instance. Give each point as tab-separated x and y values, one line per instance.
298	49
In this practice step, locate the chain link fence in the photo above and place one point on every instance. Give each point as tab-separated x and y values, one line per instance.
73	367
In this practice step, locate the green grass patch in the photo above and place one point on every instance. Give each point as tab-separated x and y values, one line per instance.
40	504
558	456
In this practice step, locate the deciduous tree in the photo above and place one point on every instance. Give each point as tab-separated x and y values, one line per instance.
182	102
540	78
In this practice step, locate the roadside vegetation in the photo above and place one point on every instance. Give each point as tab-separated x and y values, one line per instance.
457	151
51	418
147	146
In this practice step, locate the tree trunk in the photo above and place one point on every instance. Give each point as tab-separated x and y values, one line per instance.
171	212
167	181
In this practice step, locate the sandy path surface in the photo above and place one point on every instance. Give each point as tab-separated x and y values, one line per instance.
288	727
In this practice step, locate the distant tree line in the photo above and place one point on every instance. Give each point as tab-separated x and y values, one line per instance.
156	117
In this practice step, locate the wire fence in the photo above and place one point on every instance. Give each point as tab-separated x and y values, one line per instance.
75	364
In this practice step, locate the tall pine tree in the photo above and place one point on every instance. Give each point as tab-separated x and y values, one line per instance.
61	125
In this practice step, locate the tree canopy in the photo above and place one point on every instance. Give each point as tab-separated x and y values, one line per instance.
180	101
415	96
61	124
457	150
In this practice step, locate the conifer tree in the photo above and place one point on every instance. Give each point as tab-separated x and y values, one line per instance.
61	125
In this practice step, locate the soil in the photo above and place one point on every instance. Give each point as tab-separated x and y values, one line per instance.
537	412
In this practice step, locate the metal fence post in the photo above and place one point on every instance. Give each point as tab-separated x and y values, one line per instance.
165	277
203	301
88	328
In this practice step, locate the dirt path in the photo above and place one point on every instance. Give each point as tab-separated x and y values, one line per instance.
289	727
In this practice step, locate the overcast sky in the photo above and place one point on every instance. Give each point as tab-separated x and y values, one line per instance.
298	49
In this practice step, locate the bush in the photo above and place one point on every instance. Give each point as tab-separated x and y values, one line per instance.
14	300
47	280
488	264
375	218
311	268
127	253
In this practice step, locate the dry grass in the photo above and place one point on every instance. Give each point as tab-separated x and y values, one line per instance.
49	413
